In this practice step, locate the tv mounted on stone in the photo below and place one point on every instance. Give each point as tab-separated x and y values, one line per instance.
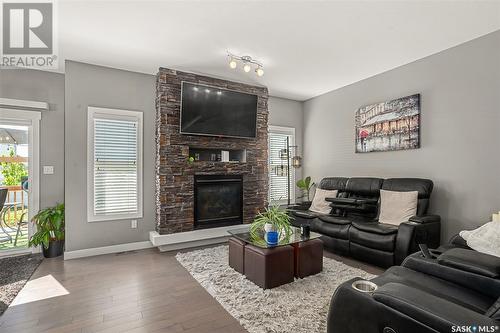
212	111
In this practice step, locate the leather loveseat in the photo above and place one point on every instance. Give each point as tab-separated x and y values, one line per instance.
352	227
457	290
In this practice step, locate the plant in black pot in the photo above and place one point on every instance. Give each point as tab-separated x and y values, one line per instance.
49	231
305	185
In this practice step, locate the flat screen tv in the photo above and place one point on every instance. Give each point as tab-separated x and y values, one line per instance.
212	111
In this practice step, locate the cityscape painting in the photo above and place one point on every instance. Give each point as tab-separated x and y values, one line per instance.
387	126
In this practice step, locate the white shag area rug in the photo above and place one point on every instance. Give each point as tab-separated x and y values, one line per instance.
299	307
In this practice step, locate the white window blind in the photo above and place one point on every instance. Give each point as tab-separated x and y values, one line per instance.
278	184
115	164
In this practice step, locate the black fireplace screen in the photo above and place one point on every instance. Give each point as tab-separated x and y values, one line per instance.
218	201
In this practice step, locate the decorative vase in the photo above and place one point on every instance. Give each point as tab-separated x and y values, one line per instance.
272	237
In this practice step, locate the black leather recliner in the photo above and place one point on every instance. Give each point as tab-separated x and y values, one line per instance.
335	227
352	228
305	217
453	291
387	244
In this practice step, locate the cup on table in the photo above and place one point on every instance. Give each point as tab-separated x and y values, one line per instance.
305	230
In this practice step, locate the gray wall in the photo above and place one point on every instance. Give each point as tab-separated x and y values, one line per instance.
460	123
99	86
104	87
460	116
287	112
44	87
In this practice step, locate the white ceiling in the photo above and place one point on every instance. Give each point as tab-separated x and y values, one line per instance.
308	48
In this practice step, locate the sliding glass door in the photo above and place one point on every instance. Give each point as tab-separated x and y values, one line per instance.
18	178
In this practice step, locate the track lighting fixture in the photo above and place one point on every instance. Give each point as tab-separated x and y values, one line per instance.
233	63
259	71
247	62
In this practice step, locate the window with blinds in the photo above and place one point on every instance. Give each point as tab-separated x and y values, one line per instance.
278	179
115	164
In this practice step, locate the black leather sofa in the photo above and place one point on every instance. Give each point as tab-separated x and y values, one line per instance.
352	227
454	291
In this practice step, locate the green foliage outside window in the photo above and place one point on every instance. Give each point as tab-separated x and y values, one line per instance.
13	172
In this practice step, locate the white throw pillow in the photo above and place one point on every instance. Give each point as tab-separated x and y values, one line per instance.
485	239
397	207
319	204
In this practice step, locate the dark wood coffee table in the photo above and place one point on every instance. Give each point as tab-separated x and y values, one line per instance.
270	266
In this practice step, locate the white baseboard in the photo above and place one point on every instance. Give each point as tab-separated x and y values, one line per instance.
188	239
187	245
96	251
171	242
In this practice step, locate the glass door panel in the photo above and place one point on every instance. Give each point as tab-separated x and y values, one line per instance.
14	186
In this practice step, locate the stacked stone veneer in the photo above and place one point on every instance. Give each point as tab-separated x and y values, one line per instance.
175	175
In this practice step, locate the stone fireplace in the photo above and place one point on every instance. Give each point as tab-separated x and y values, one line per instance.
218	201
178	208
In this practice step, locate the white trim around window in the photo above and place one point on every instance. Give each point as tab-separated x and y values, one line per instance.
23	104
277	185
114	164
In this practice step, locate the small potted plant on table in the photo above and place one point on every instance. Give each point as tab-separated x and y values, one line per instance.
49	231
274	224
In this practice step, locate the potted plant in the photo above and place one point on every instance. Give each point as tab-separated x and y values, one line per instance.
49	231
305	185
273	219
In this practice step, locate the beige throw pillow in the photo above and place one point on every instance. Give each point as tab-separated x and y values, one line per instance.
397	207
485	239
319	204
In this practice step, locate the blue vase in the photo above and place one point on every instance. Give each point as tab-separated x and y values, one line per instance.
272	238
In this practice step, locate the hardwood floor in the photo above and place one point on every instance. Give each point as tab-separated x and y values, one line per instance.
142	291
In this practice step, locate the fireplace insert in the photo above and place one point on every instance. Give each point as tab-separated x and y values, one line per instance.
218	201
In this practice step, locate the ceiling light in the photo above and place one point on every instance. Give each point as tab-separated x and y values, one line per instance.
207	90
248	63
233	63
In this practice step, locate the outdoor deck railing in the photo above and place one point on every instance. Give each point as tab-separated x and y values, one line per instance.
19	198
